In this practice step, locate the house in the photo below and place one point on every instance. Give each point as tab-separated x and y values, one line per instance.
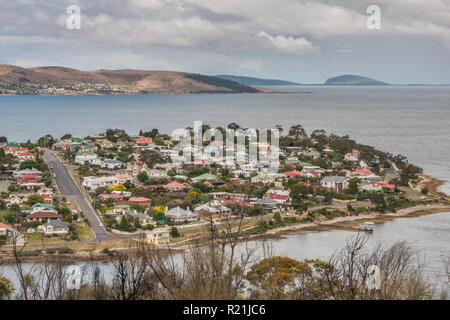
293	174
42	215
267	203
142	217
361	172
157	236
178	214
111	164
168	166
370	188
155	188
16	151
310	174
352	156
27	178
134	168
54	227
3	229
13	200
105	196
214	183
228	196
43	207
85	158
155	173
140	200
47	198
20	173
279	198
384	184
25	156
176	186
204	177
96	182
337	183
144	140
213	209
267	178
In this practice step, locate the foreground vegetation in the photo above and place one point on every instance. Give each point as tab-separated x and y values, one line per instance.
225	268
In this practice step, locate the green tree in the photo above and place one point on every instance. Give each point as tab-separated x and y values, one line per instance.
33	199
297	131
66	136
277	217
151	157
143	176
277	277
353	186
174	232
46	142
124	225
6	288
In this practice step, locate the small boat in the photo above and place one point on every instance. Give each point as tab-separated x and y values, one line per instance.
367	226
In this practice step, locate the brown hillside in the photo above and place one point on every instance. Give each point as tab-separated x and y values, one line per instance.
138	80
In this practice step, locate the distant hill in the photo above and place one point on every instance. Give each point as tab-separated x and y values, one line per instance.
250	81
353	80
61	80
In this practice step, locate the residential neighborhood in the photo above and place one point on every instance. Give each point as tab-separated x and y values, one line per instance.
137	184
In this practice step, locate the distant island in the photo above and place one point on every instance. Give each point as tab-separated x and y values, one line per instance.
54	80
354	80
251	81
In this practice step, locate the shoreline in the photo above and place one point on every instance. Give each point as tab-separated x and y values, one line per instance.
350	222
347	223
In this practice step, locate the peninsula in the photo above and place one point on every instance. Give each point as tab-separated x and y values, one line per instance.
54	80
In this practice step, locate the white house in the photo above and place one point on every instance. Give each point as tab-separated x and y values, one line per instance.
85	158
157	236
111	164
337	183
96	182
54	227
180	215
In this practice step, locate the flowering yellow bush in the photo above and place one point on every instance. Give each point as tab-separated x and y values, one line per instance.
118	187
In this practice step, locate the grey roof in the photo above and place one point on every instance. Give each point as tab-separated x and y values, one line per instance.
266	200
335	179
179	213
113	161
57	224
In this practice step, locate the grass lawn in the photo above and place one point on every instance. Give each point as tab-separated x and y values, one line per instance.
84	231
3	214
35	238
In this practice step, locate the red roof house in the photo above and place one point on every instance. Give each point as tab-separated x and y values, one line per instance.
140	200
40	215
144	140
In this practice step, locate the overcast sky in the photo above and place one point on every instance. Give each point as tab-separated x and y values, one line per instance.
303	41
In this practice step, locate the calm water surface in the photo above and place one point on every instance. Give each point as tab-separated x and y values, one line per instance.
413	121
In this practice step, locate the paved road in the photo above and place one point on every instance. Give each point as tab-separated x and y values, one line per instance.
69	189
391	174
